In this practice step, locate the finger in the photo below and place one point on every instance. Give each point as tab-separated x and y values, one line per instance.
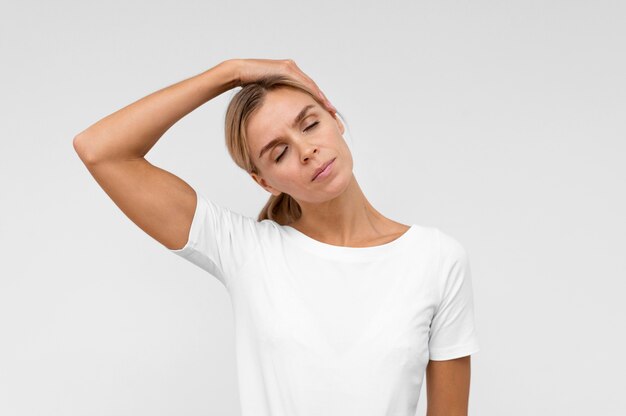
331	107
315	87
327	102
323	98
308	80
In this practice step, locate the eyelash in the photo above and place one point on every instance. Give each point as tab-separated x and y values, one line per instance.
312	126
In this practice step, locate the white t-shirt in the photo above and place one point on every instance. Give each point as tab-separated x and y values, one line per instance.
330	330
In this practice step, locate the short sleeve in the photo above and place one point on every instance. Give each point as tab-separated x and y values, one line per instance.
452	329
220	239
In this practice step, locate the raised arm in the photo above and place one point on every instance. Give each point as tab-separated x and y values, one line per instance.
113	150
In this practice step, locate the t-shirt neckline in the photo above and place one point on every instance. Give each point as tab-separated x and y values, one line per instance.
346	252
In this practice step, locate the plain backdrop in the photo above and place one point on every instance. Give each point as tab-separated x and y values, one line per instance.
500	122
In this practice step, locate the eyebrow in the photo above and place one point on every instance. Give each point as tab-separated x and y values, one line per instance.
301	115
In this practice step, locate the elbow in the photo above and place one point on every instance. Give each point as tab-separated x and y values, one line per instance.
82	148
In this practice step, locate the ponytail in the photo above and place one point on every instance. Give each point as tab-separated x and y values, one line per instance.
281	208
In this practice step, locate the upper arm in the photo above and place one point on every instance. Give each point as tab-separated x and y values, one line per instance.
452	335
447	387
157	201
452	331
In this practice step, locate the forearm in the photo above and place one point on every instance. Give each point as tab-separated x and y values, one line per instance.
132	131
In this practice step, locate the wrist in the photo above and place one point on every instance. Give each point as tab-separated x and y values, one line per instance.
231	68
218	79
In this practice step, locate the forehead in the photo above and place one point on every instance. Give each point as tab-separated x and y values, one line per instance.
275	115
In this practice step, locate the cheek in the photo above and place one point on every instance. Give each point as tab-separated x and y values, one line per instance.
288	178
343	150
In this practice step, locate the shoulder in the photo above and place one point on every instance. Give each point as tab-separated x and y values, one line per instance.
449	246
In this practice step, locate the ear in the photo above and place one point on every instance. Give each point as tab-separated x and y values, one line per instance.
263	184
339	123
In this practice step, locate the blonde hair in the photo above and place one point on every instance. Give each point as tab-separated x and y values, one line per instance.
281	208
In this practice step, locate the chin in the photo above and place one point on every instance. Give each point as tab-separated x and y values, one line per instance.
339	184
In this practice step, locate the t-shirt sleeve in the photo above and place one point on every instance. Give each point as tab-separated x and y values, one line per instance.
220	239
452	329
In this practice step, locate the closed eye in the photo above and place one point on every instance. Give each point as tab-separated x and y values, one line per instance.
281	155
312	126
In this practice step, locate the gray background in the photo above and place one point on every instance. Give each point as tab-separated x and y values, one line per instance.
500	122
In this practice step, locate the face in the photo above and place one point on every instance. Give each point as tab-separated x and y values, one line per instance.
289	163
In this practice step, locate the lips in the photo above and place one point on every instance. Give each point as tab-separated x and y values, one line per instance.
321	168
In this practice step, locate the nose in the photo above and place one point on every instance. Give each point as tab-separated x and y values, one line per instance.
310	150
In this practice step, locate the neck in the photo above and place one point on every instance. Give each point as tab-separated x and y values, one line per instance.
344	220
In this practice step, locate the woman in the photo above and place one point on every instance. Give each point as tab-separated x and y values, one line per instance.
338	309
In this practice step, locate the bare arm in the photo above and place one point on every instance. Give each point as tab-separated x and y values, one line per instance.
447	387
113	150
132	131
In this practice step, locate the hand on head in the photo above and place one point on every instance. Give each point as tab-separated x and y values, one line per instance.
249	70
